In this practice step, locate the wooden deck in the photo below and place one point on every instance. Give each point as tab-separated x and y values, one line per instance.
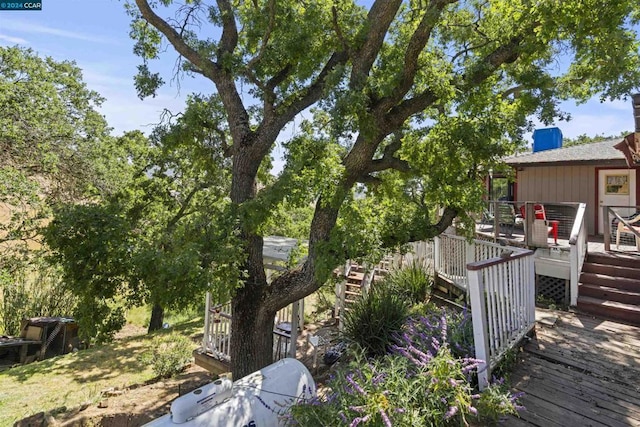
579	371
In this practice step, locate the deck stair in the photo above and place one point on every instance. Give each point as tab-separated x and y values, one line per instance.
610	287
355	285
358	280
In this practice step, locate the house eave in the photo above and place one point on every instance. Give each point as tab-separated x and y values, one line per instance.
608	162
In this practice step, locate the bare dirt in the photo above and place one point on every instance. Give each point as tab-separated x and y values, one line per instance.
140	404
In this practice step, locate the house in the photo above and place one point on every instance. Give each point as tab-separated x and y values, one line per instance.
603	173
596	174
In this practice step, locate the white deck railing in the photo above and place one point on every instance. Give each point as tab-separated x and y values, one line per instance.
500	283
453	253
217	330
578	252
502	295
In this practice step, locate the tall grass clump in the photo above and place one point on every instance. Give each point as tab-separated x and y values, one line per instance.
374	319
412	282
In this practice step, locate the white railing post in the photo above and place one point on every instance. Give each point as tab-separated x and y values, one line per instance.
480	330
206	338
470	257
573	285
577	251
341	288
437	249
294	328
531	290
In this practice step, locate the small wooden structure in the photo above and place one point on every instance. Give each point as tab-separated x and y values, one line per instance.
40	338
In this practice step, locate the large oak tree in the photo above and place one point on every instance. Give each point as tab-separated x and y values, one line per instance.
407	102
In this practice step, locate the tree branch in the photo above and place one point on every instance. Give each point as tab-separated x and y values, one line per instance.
417	43
229	38
288	108
388	159
338	30
207	67
181	212
266	36
379	19
504	54
237	114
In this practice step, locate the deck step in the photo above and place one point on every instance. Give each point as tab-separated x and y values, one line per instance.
612	270
610	281
614	259
612	309
611	294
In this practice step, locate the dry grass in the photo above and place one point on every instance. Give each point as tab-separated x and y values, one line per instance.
70	381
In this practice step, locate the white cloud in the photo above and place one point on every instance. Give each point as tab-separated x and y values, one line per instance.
32	28
12	40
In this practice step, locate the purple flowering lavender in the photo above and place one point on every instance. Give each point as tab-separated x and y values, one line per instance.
451	412
429	333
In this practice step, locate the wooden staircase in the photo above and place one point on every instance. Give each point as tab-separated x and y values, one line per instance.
357	282
610	287
354	285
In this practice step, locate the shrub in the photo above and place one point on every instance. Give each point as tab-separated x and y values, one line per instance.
170	355
496	401
421	384
413	282
372	320
427	328
396	391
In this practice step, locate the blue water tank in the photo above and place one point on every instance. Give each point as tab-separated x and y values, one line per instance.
546	139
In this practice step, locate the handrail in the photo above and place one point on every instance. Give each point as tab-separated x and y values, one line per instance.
479	265
579	246
631	228
502	296
609	210
577	223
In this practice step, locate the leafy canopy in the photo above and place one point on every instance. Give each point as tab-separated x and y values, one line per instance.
398	108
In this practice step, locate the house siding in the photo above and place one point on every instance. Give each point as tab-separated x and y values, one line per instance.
560	184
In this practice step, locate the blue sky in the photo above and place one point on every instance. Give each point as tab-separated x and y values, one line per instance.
94	34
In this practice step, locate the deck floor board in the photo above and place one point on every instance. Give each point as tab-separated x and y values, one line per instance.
583	371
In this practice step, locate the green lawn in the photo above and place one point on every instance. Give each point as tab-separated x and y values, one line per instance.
71	380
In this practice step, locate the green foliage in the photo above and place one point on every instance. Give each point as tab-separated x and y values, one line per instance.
31	290
170	354
413	282
495	402
585	139
393	391
165	236
374	319
55	145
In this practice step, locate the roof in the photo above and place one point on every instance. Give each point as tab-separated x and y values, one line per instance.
595	152
277	248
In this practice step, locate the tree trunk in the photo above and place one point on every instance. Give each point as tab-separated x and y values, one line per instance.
252	334
157	317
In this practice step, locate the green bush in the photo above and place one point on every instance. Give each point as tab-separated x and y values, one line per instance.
374	319
399	391
170	355
413	282
421	382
